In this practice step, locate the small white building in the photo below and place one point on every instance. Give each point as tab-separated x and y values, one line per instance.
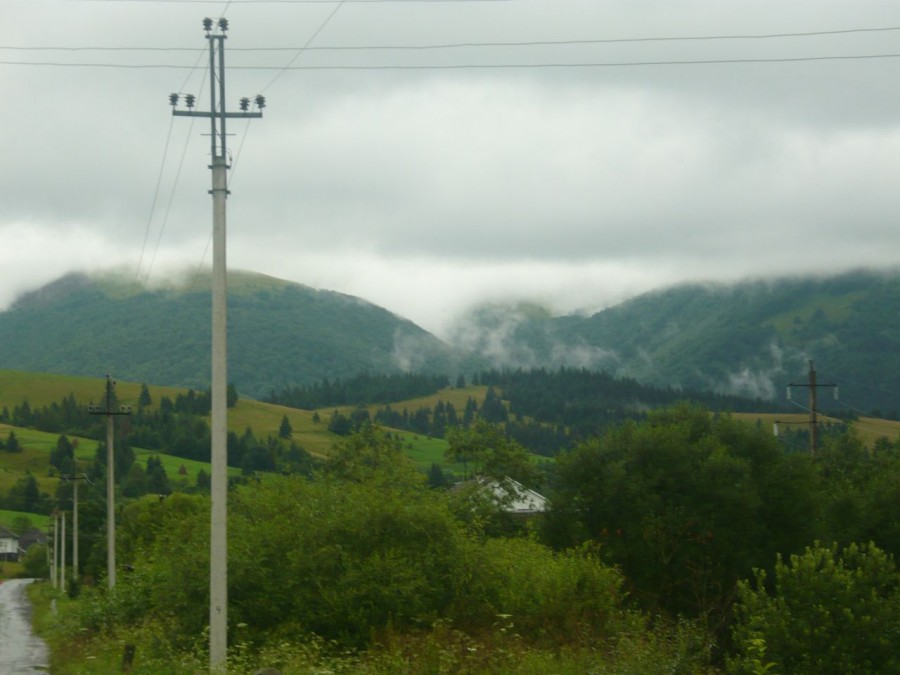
9	546
516	498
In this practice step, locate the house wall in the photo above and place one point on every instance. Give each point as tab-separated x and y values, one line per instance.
9	549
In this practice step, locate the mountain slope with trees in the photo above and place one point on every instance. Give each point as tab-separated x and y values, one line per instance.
749	339
280	334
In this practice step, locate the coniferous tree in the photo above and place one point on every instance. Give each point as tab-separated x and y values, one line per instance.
12	443
285	430
157	480
144	399
63	456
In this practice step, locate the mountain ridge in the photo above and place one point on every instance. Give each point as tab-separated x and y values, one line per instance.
280	333
748	338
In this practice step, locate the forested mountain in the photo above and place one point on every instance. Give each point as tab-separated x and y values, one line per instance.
750	339
280	334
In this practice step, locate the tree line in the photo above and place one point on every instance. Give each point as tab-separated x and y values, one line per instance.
548	411
361	389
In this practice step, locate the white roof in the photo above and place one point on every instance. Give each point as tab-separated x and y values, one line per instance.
516	498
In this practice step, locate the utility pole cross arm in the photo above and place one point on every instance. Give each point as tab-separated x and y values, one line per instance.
199	113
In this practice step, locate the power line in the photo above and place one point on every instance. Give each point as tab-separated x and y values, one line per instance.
165	219
882	390
466	45
476	66
304	47
171	199
153	201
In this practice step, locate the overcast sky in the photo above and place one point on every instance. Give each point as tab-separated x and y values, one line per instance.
593	163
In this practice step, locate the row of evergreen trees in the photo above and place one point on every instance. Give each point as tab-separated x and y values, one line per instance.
363	388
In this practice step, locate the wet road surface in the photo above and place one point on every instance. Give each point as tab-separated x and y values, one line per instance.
20	650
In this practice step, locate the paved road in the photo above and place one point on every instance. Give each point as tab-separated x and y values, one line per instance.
20	651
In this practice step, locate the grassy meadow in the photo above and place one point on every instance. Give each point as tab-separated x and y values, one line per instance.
8	519
42	389
870	429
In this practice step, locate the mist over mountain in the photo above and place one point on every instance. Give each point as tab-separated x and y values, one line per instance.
279	333
748	339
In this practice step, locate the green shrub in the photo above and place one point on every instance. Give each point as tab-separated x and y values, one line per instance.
547	595
830	611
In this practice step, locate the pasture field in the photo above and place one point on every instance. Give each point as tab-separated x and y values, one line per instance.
454	395
425	451
8	518
181	472
870	429
35	457
41	389
265	420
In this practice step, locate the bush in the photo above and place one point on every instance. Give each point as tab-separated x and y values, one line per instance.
561	597
830	611
362	552
35	565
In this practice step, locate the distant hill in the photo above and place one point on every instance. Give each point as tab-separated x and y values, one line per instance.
748	339
280	333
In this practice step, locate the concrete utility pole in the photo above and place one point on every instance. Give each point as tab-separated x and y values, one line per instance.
218	548
813	403
62	571
110	477
55	562
75	480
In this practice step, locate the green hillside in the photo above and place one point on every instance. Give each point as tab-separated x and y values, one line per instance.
749	339
280	333
309	431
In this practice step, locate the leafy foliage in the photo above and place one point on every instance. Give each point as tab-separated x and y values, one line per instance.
686	503
485	450
363	549
829	611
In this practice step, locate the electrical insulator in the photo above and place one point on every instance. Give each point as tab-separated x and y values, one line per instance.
207	24
223	24
260	101
775	426
189	100
245	104
835	393
173	99
788	393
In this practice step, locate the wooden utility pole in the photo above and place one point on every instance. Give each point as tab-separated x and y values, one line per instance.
813	406
218	549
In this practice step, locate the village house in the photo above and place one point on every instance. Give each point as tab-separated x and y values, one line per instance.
9	546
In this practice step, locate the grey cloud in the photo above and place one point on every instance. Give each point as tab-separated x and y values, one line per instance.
595	181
